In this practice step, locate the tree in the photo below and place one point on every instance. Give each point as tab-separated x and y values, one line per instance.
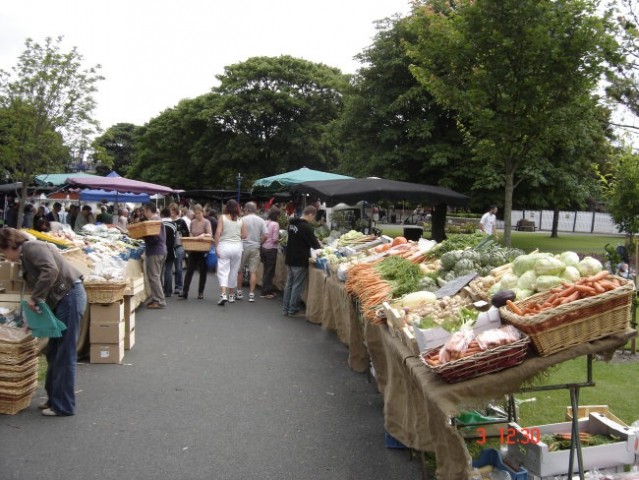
276	112
621	191
624	81
391	126
47	101
115	149
510	70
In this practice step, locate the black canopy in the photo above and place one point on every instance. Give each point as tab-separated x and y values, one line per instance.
375	189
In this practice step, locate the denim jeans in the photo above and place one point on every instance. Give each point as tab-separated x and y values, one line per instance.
179	260
295	279
62	353
269	257
167	277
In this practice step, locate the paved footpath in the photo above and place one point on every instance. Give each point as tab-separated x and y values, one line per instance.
209	392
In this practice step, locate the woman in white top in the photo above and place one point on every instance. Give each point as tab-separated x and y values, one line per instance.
228	247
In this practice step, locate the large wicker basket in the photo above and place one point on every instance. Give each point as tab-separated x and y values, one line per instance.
18	369
487	361
197	244
574	323
105	292
144	229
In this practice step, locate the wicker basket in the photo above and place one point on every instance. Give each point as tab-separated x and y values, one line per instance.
18	369
12	404
574	323
144	229
197	244
482	363
105	292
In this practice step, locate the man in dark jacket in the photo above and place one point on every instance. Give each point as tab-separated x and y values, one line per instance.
155	253
301	238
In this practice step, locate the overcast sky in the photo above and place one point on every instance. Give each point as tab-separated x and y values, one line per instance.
156	53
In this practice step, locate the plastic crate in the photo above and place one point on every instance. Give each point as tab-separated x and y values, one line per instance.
490	456
392	442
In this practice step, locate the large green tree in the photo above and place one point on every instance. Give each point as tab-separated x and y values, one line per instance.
47	97
277	113
115	149
511	71
391	126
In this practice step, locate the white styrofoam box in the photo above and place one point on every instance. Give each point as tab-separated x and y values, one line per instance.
435	337
537	459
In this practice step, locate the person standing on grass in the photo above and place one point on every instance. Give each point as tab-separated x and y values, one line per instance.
301	238
268	252
155	253
228	247
255	235
488	222
200	227
52	279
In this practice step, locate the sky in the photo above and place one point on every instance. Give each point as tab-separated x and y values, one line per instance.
155	53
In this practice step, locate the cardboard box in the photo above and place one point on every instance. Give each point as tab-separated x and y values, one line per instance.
538	460
129	321
129	339
107	312
586	410
17	286
106	332
107	352
9	271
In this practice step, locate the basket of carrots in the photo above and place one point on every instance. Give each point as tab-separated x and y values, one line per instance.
465	356
593	307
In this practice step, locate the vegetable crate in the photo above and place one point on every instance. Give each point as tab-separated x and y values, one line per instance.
197	244
490	456
573	323
144	229
533	454
586	410
482	363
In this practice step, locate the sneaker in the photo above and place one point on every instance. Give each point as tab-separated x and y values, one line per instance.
200	296
298	314
251	297
232	298
155	305
49	412
177	292
44	405
223	299
239	295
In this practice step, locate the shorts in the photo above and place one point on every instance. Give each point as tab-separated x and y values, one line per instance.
251	257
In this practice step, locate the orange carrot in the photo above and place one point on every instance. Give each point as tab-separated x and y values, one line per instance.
590	291
514	308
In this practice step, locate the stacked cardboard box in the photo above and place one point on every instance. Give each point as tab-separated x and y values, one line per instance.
107	332
129	322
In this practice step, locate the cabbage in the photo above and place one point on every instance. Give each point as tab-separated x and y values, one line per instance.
570	259
416	299
546	282
522	293
509	281
523	263
494	289
527	281
571	274
589	266
549	266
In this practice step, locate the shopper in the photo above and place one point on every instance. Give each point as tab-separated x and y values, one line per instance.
84	218
170	232
200	227
228	247
182	230
58	283
268	252
155	253
488	222
255	235
301	238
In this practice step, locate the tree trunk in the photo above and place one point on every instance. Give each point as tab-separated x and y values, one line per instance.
438	222
555	223
508	206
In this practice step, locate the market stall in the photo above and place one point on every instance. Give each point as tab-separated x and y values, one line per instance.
381	299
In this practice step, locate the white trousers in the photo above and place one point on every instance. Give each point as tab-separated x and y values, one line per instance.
229	256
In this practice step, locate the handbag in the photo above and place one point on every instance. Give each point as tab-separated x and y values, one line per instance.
211	259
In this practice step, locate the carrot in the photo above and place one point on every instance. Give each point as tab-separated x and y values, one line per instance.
590	291
607	285
599	276
514	308
568	291
571	298
598	288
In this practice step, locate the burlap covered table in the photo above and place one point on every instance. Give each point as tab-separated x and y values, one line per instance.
418	404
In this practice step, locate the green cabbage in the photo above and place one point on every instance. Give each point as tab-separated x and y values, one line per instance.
509	281
569	258
549	266
522	293
546	282
589	266
523	263
571	274
527	280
